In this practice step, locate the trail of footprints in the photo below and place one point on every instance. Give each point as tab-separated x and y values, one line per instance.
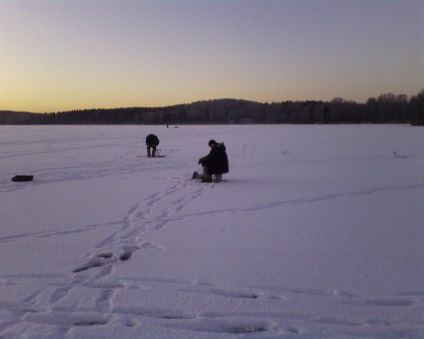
62	312
140	219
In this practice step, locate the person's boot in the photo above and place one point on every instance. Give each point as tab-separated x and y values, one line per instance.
195	175
207	178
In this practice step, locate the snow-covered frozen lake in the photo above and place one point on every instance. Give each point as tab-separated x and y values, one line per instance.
316	231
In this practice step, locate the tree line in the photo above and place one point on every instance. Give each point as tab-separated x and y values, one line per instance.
387	108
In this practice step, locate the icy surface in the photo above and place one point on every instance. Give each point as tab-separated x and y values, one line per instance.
316	231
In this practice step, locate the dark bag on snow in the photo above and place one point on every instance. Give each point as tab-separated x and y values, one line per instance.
20	178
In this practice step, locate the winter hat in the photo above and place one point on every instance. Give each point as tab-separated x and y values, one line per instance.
212	142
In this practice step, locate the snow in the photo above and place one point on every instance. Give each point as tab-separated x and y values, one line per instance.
316	231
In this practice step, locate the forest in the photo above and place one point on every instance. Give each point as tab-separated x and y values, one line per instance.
386	108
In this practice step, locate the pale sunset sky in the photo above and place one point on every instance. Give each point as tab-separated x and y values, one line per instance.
58	55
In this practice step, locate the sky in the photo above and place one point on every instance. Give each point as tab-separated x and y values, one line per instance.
80	54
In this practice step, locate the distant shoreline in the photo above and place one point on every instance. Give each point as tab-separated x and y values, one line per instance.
387	108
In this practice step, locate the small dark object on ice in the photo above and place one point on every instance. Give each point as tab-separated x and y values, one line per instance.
21	178
195	175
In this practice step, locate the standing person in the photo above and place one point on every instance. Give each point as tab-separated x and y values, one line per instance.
214	164
151	141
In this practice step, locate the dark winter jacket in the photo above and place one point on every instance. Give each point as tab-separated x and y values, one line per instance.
216	161
152	140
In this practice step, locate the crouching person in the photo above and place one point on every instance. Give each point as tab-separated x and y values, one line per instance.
215	164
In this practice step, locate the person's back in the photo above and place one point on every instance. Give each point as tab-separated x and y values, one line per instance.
218	161
152	140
